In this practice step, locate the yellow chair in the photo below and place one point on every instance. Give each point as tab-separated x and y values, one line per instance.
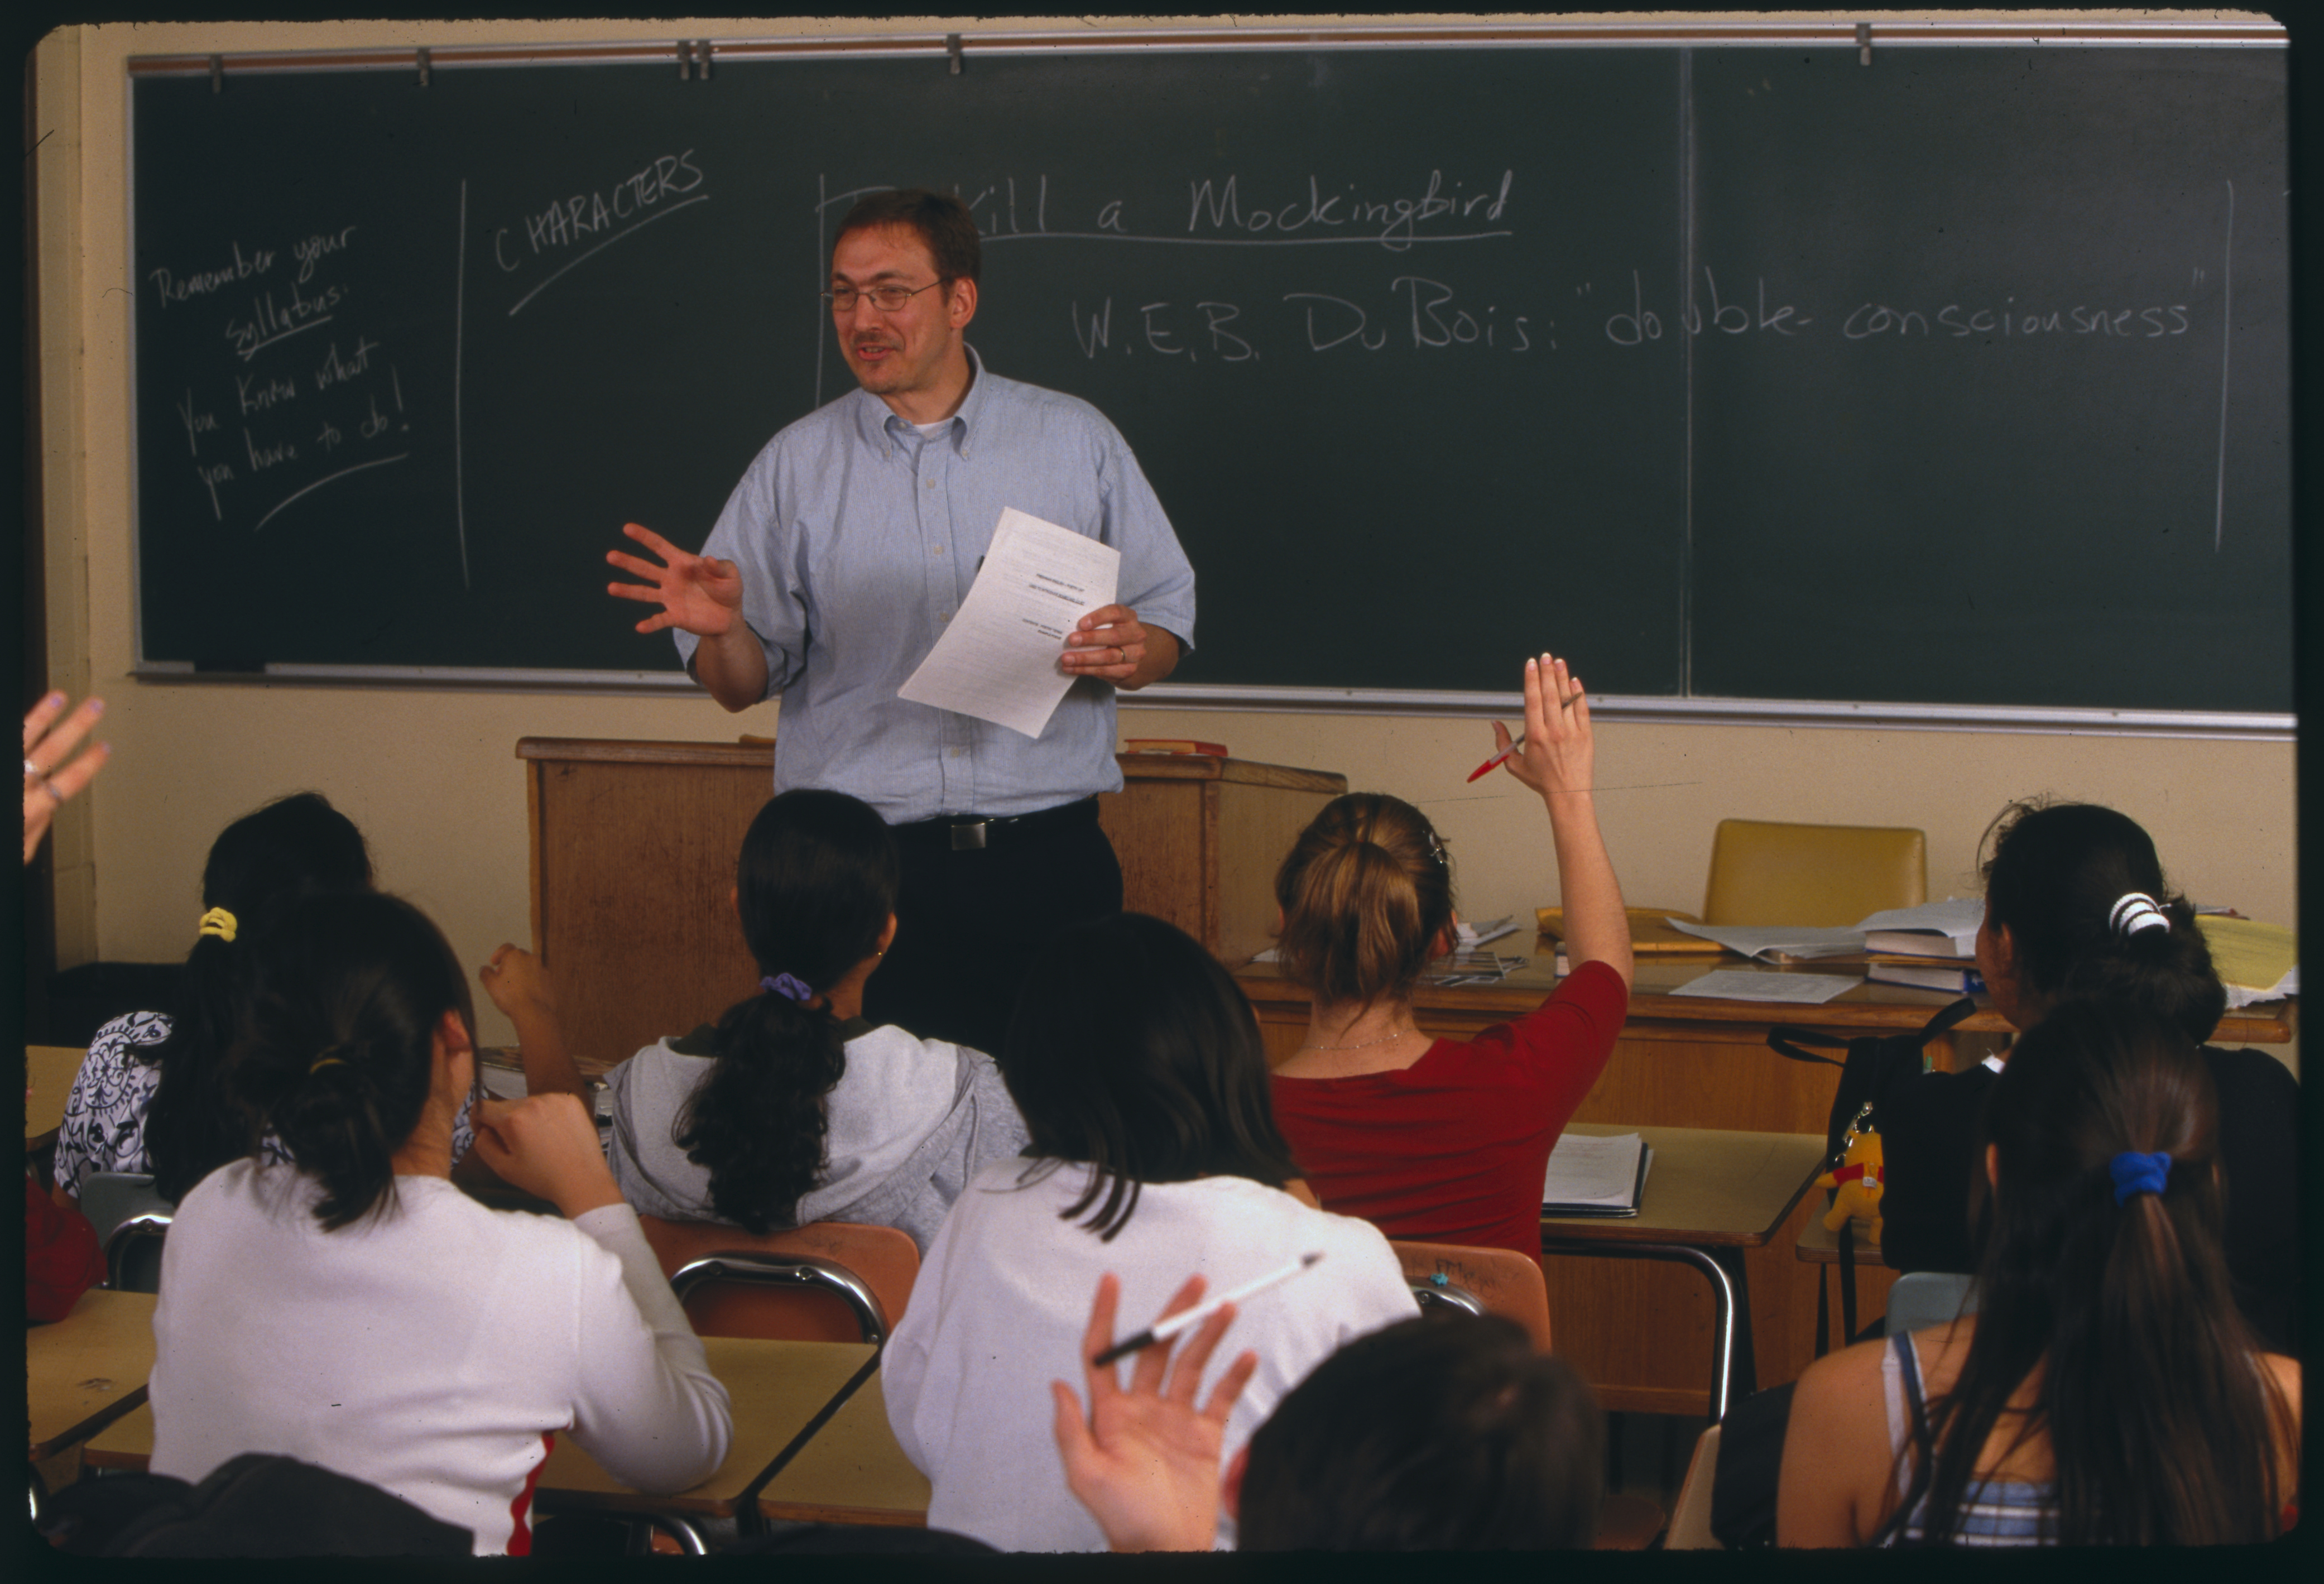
827	1282
1824	877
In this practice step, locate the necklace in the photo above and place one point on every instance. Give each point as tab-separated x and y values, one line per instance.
1362	1044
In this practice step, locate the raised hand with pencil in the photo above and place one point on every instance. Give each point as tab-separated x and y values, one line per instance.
1557	757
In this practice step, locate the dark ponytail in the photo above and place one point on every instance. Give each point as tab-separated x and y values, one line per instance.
1365	893
337	1052
2163	1423
260	864
2057	877
815	885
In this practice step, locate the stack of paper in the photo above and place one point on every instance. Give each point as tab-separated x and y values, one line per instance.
1769	942
1592	1176
1946	929
2256	962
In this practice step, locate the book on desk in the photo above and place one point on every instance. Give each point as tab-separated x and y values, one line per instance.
1596	1174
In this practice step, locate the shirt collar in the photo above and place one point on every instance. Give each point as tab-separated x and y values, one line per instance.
883	430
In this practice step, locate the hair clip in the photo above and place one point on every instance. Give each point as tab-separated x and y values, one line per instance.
2134	911
2133	1173
784	984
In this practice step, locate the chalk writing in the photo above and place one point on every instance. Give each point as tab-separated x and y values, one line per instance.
599	218
174	290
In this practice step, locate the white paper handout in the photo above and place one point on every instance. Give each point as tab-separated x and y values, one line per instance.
1000	659
1740	984
1762	940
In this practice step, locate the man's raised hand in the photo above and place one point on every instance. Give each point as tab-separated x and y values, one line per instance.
696	594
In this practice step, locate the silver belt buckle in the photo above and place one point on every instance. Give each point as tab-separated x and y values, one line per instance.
969	837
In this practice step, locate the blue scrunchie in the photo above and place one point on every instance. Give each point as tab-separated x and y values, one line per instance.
2133	1173
783	984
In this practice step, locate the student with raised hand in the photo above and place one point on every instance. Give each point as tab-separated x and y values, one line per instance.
793	1109
2107	1390
356	1310
1438	1139
2076	905
1440	1433
1138	1068
150	1095
51	771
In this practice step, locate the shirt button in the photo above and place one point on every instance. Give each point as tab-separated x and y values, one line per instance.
932	484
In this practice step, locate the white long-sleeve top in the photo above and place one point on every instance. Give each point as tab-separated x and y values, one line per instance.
1003	1299
429	1350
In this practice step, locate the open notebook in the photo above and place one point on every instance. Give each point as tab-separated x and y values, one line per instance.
1590	1175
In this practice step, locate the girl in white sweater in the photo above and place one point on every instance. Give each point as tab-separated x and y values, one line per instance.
793	1109
1138	1066
356	1310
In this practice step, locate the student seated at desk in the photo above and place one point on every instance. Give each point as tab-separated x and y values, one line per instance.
2107	1390
1138	1065
356	1310
2076	905
1447	1432
150	1095
1429	1138
794	1109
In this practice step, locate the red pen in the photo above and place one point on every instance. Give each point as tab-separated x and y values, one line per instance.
1494	762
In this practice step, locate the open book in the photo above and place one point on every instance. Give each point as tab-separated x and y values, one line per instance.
1590	1175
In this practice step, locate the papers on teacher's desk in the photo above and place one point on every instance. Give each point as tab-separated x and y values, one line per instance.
1001	660
1769	941
1933	930
1740	984
1593	1175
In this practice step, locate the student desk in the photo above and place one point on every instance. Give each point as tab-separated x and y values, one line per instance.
83	1372
49	1071
1712	1194
1685	1062
852	1472
780	1390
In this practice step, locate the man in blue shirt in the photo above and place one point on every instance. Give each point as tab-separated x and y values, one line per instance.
851	540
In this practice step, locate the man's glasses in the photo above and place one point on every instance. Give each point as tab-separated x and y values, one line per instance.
886	299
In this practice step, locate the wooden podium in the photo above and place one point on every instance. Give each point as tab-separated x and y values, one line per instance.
633	849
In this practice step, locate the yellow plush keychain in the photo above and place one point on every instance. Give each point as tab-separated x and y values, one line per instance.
1856	1181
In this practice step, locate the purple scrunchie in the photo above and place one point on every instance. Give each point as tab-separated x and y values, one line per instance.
2133	1173
783	984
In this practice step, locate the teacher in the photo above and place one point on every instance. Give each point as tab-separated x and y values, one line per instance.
851	542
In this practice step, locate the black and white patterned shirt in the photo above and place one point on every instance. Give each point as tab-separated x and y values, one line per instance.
103	1127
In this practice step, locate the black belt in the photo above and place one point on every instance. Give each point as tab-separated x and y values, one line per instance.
971	832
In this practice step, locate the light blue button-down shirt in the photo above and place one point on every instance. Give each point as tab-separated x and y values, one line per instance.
857	542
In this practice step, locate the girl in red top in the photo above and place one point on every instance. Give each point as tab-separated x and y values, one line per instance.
1434	1139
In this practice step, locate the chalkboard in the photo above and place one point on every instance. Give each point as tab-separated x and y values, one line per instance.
1736	372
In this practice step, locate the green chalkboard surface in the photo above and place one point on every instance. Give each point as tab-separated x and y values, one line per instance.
1736	372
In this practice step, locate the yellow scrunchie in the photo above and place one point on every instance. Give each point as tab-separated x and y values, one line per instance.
218	922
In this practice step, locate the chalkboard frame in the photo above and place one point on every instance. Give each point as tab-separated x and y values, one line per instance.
691	56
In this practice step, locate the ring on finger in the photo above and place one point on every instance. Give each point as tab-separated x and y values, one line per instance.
49	788
32	772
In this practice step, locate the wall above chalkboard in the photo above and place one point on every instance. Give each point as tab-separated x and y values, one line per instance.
1955	384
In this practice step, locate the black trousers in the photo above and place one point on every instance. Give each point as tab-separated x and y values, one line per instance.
969	921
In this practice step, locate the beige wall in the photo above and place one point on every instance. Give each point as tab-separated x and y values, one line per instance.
431	778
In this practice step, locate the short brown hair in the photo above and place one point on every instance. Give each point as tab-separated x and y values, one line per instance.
942	223
1365	891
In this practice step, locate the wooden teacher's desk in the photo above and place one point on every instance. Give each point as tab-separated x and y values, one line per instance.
1641	1333
634	849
